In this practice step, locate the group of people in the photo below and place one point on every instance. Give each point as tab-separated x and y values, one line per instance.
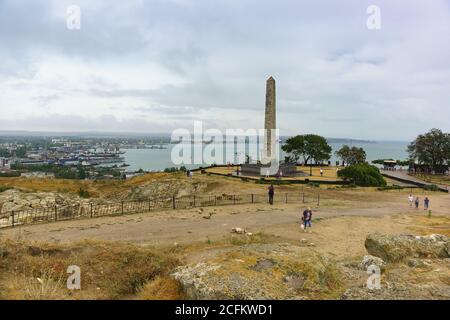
416	202
307	214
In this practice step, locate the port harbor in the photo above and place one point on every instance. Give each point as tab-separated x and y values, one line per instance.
91	158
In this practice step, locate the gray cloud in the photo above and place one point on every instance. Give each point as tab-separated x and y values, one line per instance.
162	64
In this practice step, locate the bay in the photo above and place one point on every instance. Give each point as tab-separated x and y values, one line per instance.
159	159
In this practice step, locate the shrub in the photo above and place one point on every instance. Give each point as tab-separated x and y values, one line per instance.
393	187
83	193
11	174
314	184
363	174
431	187
4	188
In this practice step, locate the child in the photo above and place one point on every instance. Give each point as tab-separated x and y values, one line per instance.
426	203
411	200
307	217
417	202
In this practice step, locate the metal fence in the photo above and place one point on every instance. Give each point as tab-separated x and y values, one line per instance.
79	211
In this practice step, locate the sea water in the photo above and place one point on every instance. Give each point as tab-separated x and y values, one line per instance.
159	159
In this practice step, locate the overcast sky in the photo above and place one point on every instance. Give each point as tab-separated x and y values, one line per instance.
157	65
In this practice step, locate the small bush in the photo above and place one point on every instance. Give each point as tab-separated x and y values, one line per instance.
314	184
12	174
431	187
363	174
162	288
83	193
393	187
4	188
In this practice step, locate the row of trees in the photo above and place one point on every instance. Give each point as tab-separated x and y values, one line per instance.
311	147
431	149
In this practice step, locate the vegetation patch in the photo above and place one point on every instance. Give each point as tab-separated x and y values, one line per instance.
363	174
109	270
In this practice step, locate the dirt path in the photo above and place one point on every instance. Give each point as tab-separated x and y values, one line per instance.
189	226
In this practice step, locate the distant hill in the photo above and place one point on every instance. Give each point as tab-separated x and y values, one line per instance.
97	134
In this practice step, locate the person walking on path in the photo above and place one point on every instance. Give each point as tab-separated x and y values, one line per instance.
426	203
411	200
307	217
417	202
271	194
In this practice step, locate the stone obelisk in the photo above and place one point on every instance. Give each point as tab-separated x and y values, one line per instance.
270	121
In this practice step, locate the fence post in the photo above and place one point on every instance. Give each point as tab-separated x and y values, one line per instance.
234	199
173	202
286	197
122	206
215	200
92	210
149	205
303	198
194	200
12	216
252	198
56	213
318	199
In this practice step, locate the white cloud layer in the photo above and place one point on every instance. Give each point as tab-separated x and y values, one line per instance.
153	66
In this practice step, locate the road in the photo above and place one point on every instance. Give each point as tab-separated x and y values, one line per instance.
187	226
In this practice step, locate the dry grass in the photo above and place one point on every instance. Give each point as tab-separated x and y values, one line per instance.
436	178
329	173
100	188
162	288
109	270
424	225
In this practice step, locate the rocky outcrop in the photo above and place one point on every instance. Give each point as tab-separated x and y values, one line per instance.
260	271
400	247
369	260
166	188
16	200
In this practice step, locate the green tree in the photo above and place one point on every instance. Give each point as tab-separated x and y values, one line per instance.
309	147
81	172
363	174
351	155
5	153
20	152
431	148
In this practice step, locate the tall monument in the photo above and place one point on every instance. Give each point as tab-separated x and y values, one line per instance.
270	121
270	164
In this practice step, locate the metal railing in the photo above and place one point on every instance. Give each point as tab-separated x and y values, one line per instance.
91	210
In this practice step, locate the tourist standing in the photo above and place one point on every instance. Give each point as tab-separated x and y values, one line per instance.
426	203
321	172
417	202
307	217
411	200
271	194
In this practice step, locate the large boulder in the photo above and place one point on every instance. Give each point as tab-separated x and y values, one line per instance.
260	271
395	248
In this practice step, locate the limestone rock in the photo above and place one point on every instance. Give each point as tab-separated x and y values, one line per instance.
260	271
398	248
369	260
418	263
238	230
